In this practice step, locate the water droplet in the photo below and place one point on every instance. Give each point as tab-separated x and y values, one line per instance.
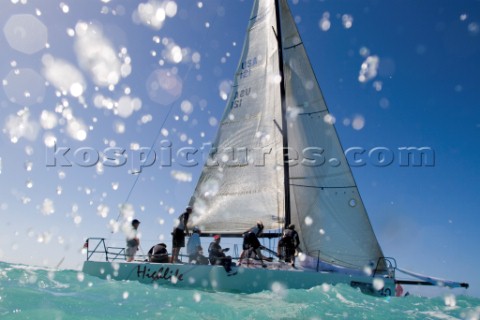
103	210
308	220
119	127
352	203
368	69
64	7
171	9
28	165
25	33
47	207
196	57
77	219
29	184
378	284
450	300
48	120
358	122
377	85
328	118
181	176
347	21
473	28
80	276
325	23
176	54
76	89
213	121
197	297
164	87
186	106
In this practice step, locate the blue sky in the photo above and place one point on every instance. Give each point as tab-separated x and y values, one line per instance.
424	93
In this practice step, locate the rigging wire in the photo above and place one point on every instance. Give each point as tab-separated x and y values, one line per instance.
155	140
149	152
161	127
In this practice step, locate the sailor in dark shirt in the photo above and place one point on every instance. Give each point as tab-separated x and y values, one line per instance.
251	244
288	244
217	256
178	234
158	253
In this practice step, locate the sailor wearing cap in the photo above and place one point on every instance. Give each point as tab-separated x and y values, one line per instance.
217	256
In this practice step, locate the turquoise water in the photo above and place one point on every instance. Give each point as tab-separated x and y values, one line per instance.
35	293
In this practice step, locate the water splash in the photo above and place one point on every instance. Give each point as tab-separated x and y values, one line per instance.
369	68
25	33
164	86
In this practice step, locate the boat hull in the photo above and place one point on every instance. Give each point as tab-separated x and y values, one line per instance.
246	280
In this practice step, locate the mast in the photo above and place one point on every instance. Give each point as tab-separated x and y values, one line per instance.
286	168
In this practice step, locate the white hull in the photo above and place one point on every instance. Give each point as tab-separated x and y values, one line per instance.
247	280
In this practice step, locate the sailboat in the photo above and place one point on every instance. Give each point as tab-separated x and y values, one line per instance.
277	159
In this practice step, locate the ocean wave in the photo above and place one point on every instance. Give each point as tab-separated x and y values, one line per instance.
28	292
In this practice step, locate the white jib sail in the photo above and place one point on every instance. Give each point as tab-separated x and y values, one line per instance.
325	204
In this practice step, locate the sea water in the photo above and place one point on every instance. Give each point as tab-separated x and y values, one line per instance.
28	292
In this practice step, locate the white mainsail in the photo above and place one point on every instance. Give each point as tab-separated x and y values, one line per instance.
245	181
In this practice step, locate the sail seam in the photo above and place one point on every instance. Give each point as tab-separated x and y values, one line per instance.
252	117
226	193
254	21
